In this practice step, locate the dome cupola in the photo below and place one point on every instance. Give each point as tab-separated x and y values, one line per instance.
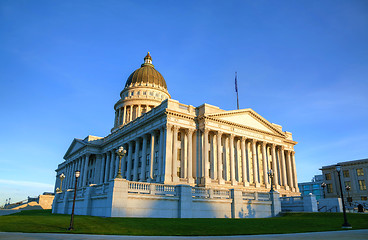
144	89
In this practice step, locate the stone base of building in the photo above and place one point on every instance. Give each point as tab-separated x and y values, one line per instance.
122	198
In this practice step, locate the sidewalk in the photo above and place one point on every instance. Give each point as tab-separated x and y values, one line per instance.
340	235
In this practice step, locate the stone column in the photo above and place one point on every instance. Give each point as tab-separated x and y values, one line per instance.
232	161
225	150
175	155
136	160
205	156
219	159
138	110
190	157
160	155
184	148
212	157
244	163
124	162
289	171
152	156
144	157
124	115
283	168
131	113
119	116
107	167
85	170
265	160
130	155
116	123
294	172
167	158
102	170
274	167
255	163
112	170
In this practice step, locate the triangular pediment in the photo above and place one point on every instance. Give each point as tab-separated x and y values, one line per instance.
247	118
74	147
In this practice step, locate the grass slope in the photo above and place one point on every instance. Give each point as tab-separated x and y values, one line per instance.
44	221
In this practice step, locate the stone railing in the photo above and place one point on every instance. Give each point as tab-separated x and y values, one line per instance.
249	195
264	197
198	192
223	194
151	188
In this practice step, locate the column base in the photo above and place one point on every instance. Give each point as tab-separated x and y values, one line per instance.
287	188
233	182
221	181
191	180
175	179
257	184
277	187
246	184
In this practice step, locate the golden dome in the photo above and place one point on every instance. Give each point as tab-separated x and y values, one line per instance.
146	75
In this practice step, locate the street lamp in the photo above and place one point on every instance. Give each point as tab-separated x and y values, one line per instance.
270	175
121	153
61	176
345	224
77	174
323	185
349	198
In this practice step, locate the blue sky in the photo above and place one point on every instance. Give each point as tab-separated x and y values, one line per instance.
300	64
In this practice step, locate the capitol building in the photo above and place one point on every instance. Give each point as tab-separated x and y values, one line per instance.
180	161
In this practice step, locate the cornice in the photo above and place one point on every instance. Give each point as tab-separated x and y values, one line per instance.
241	126
252	113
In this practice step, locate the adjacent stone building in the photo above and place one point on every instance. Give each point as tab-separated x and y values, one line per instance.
171	143
353	174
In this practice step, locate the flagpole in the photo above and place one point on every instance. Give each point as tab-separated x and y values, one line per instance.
236	90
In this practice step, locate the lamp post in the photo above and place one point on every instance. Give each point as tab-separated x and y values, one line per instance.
323	185
345	224
121	153
77	174
349	198
61	176
270	175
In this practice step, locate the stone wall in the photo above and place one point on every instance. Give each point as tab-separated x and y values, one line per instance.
122	198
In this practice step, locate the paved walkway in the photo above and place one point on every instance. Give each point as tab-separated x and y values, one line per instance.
338	235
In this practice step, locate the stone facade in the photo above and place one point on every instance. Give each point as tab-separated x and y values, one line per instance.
353	174
171	143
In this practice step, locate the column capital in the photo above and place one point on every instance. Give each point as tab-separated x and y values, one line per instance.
175	127
205	130
220	133
189	131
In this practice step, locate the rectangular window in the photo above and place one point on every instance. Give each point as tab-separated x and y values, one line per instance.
362	185
156	157
328	176
179	136
179	172
329	188
363	198
346	173
360	172
179	154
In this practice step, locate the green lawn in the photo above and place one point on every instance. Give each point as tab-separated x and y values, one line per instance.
44	221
